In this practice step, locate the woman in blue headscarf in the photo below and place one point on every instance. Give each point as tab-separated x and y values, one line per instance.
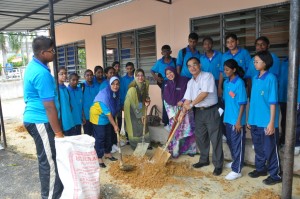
105	108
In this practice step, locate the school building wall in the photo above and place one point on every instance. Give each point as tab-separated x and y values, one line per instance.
172	23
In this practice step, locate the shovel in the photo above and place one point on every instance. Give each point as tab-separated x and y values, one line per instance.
161	156
123	166
141	148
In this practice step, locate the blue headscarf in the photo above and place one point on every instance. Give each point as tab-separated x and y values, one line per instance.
109	98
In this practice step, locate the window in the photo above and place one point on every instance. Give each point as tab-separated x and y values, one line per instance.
72	57
137	46
271	21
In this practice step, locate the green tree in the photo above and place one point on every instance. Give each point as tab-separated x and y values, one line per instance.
3	49
15	41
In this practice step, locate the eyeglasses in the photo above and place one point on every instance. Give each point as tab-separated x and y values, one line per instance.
139	75
51	51
193	65
62	74
256	62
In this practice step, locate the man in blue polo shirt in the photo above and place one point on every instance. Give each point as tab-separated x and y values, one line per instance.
186	53
159	68
41	114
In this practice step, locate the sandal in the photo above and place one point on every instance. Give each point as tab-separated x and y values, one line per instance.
102	165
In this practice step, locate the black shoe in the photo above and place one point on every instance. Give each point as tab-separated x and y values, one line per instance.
217	171
191	155
102	165
111	158
200	164
271	181
150	148
256	174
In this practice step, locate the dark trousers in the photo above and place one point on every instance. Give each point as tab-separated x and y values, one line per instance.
165	118
88	128
207	129
266	151
78	129
102	134
73	131
43	135
297	142
282	122
236	144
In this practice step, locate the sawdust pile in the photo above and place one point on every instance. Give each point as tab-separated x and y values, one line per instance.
265	194
152	176
20	129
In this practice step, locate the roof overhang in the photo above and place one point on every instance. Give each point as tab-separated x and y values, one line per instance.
28	16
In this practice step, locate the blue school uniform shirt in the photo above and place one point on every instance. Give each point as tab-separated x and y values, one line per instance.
275	69
264	92
99	114
181	61
212	65
242	57
160	66
234	96
39	87
65	104
283	81
89	94
103	85
76	104
125	81
96	83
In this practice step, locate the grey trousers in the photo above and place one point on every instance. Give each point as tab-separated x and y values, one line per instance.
207	129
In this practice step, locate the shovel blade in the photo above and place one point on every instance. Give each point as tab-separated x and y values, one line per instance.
141	149
160	156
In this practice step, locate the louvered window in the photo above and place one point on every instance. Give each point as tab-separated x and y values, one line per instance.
137	46
72	57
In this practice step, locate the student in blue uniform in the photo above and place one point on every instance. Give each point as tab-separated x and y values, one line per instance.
235	98
186	53
240	55
65	104
41	114
262	44
76	101
263	119
159	68
117	66
211	59
282	97
124	83
98	76
89	91
108	73
103	111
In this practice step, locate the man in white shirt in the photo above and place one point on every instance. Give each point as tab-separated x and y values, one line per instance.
201	94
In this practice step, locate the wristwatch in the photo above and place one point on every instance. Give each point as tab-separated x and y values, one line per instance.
191	105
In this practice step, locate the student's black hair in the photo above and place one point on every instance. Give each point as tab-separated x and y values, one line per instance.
207	38
193	36
108	68
73	75
231	35
61	68
266	57
198	60
41	43
231	63
129	64
98	68
139	70
115	63
166	47
88	70
263	38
